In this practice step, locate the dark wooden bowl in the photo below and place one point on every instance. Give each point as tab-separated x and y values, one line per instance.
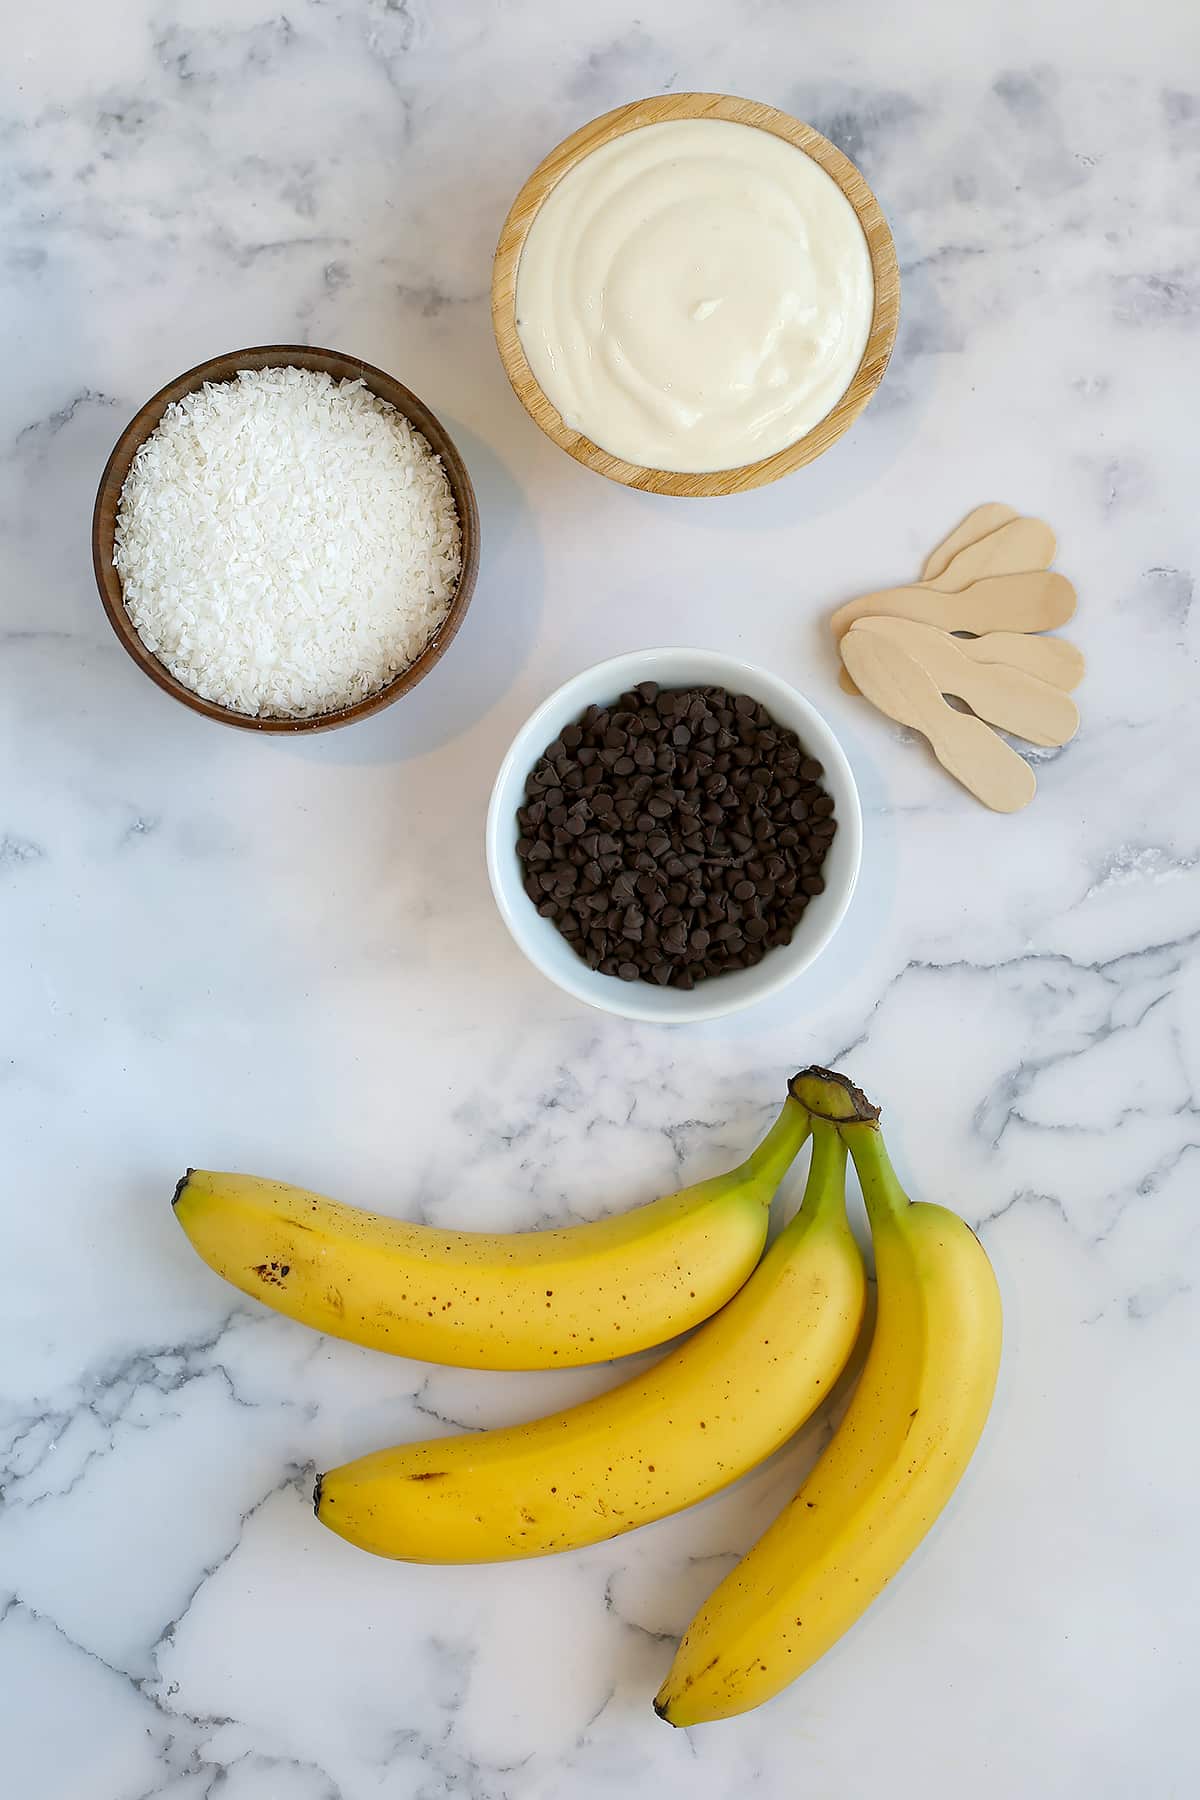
224	368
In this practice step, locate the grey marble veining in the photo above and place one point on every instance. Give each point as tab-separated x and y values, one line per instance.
284	957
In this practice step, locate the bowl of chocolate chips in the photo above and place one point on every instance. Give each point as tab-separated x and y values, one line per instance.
674	835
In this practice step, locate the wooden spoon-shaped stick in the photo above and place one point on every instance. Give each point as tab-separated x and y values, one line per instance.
1053	659
1033	602
1031	709
965	746
976	525
1014	549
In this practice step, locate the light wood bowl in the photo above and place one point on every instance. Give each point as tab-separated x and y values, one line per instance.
656	111
224	368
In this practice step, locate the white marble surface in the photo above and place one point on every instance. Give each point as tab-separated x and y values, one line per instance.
284	956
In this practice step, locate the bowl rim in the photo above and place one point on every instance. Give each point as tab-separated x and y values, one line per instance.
224	368
624	999
659	109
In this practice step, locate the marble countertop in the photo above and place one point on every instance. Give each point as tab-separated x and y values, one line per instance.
283	956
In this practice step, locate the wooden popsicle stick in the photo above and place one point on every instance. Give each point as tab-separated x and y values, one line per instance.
1014	549
1031	709
1051	659
976	525
966	747
1033	602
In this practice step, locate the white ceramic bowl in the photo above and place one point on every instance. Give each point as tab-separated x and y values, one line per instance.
542	942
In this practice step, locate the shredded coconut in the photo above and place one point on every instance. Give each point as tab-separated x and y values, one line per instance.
287	543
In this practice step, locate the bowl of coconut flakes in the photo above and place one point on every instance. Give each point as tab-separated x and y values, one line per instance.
285	539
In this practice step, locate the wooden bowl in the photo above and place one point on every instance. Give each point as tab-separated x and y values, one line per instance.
224	368
656	111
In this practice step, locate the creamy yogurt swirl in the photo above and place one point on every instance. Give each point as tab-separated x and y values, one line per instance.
695	295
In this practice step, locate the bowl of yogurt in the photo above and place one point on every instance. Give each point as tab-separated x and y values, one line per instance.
695	294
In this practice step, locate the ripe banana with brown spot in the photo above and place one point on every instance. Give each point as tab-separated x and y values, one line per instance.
489	1300
705	1414
900	1451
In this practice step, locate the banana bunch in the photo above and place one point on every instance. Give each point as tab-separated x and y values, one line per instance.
493	1300
773	1337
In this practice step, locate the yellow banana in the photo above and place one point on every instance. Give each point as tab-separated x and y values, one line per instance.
901	1449
487	1300
698	1419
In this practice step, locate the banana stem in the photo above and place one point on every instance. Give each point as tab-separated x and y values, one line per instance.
882	1193
773	1158
826	1182
825	1189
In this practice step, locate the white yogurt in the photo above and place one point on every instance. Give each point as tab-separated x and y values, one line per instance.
695	295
